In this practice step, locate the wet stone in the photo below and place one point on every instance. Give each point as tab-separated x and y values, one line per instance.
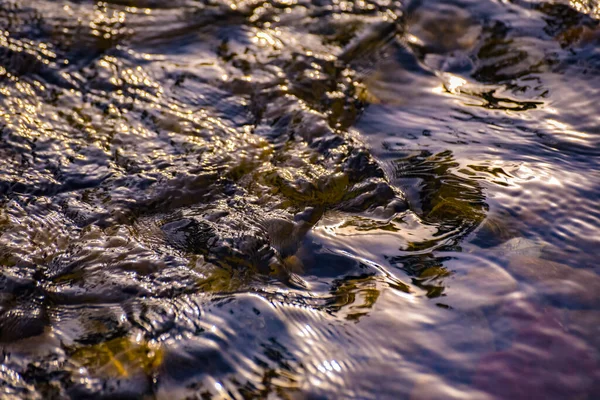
22	320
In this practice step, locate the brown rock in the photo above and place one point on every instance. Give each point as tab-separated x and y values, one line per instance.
558	281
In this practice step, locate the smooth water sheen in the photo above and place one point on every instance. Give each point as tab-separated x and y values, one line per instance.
300	199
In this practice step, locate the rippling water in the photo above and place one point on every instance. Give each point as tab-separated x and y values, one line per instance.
300	199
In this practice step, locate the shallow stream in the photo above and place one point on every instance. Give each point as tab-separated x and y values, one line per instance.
300	199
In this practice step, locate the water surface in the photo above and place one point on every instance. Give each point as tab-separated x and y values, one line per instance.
300	199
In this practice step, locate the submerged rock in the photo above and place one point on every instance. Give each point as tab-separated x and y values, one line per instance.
538	356
558	282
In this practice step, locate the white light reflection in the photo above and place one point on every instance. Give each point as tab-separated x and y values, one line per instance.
336	366
306	331
454	82
330	369
565	129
